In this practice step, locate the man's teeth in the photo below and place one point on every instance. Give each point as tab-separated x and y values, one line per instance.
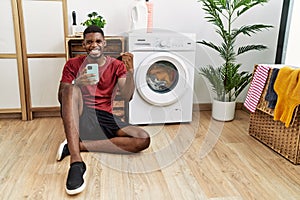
95	51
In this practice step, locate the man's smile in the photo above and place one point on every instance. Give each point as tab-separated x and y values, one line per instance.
95	52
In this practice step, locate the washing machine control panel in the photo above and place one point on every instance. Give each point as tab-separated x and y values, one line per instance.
161	42
175	44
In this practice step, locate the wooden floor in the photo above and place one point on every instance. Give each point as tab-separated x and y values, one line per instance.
204	159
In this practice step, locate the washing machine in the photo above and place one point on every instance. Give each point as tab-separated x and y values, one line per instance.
164	64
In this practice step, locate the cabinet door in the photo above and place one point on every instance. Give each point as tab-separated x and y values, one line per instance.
45	50
11	85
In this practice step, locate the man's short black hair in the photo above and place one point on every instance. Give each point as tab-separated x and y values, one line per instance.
93	29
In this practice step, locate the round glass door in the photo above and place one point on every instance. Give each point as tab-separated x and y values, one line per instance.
161	78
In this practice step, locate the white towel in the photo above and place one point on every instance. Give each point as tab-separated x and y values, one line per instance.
256	87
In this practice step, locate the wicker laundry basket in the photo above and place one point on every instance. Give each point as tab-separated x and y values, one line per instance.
274	134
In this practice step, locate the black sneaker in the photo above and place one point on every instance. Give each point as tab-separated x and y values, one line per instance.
75	181
62	151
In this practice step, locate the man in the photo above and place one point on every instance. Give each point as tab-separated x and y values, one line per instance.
86	108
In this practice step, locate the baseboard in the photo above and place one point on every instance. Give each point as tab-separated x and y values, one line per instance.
36	112
208	106
55	111
202	106
10	116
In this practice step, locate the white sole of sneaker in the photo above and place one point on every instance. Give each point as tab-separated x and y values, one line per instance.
78	190
60	150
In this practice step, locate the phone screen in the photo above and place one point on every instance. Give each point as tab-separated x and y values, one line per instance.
93	69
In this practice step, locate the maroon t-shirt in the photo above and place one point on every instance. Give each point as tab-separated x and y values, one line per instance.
101	95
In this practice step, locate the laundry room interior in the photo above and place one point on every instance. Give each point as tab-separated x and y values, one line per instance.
195	152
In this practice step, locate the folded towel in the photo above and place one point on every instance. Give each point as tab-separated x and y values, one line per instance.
256	87
287	87
271	95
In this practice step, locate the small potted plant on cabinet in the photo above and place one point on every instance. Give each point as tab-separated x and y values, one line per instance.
94	19
227	80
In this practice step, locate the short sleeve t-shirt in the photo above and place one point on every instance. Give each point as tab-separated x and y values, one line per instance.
101	95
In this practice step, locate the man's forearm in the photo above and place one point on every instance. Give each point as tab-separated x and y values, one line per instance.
129	87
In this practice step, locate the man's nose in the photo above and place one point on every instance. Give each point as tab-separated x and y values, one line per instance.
94	44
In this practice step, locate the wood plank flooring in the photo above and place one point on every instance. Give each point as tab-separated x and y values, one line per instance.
204	159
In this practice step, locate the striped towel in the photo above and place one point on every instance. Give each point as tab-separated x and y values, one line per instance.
256	87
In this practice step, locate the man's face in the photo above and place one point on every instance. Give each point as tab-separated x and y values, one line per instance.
94	44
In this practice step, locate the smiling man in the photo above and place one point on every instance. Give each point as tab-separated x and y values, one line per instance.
86	108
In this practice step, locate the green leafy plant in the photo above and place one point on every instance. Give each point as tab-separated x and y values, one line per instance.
227	80
94	19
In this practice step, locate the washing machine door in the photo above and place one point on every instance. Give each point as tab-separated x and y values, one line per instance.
161	78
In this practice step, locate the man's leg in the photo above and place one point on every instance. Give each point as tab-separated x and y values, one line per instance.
129	139
71	101
72	105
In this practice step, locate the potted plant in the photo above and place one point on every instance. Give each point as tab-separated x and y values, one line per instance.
94	19
227	80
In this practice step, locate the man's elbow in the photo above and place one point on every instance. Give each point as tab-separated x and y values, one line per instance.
127	97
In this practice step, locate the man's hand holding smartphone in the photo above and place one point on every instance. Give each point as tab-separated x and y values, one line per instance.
92	72
90	75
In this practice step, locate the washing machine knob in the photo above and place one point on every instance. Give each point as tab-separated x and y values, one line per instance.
163	43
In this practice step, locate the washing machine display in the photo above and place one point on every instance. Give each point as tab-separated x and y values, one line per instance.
164	77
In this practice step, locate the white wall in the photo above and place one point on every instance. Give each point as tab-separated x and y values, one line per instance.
9	85
188	16
291	55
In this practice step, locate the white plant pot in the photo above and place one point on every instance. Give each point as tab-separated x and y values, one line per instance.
223	111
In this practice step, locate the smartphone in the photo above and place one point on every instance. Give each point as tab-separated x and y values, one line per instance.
93	69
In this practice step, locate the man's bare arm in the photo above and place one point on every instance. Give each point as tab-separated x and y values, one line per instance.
126	85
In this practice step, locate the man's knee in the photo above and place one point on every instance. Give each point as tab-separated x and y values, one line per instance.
144	140
70	96
71	91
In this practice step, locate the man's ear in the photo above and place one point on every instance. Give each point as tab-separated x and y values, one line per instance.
104	43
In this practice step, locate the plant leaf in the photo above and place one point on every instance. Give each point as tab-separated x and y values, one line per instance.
249	29
247	48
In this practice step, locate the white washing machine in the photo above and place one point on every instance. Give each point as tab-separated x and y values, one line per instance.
164	65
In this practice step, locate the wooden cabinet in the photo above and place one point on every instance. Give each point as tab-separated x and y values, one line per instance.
114	46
